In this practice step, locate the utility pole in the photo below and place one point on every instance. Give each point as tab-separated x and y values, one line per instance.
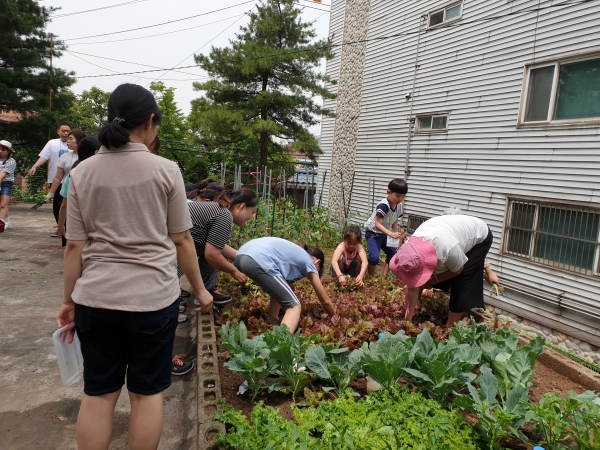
51	51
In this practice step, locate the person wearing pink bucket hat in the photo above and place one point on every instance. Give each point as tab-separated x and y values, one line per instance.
448	253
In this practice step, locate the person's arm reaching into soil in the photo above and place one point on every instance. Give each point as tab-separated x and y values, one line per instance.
215	257
186	257
321	294
335	264
363	268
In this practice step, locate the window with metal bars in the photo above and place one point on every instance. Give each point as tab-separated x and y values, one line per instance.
566	237
414	222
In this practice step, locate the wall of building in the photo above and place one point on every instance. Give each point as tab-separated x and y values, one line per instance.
474	72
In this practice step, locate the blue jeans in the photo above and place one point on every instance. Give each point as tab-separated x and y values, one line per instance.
375	243
6	188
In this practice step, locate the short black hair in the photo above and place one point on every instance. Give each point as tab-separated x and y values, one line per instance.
398	186
352	231
62	124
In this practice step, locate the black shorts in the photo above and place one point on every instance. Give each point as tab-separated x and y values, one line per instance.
116	344
466	289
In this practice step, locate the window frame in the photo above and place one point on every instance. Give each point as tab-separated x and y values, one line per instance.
443	8
525	89
418	128
593	273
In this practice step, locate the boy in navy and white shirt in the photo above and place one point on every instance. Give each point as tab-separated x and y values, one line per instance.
383	223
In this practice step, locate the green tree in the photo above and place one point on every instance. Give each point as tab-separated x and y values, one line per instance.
89	110
25	75
264	84
176	138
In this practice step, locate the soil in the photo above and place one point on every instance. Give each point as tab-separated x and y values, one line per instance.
545	380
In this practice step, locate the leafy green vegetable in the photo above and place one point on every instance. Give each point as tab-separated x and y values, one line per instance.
439	367
397	420
250	357
496	419
562	420
269	430
287	351
334	366
383	360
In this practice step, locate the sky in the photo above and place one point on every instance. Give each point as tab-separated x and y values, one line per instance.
93	36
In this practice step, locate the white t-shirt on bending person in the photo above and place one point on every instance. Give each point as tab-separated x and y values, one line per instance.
452	237
52	151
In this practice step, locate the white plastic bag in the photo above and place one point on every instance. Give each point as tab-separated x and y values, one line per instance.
70	359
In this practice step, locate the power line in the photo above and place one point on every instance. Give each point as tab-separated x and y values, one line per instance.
97	9
377	38
154	35
206	44
145	78
159	24
121	61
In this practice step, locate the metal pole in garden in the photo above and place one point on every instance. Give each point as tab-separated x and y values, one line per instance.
350	196
284	185
322	187
312	186
264	193
273	212
342	201
257	182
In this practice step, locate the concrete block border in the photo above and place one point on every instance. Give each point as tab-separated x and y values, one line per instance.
209	384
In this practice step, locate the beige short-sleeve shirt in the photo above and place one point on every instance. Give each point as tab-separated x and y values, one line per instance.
124	202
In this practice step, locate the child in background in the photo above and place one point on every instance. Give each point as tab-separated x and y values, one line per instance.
7	179
274	263
347	256
383	224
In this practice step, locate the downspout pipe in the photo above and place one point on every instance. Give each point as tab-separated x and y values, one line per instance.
412	99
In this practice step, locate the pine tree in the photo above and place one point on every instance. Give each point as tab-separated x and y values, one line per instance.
263	85
25	77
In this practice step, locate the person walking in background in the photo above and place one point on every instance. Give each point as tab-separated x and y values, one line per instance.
381	230
7	180
128	226
87	148
63	167
52	151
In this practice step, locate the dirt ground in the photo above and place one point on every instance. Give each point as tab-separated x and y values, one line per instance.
36	409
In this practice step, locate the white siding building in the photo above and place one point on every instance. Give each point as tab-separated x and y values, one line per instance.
505	113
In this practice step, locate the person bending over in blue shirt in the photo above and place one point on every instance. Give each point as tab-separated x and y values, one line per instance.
274	264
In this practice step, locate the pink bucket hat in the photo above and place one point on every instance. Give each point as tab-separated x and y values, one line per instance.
414	262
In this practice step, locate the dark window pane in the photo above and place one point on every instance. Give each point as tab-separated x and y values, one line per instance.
540	90
439	123
436	18
425	122
567	237
520	228
578	90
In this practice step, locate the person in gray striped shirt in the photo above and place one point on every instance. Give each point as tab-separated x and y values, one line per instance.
383	223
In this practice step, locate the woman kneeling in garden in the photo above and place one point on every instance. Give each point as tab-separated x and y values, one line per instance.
447	253
273	264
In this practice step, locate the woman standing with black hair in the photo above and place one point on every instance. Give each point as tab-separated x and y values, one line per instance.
128	226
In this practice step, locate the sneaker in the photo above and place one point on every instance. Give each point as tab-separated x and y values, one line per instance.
181	308
182	303
181	318
54	235
184	293
181	367
7	225
219	298
196	302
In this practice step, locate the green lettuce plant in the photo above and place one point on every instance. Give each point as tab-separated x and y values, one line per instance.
334	365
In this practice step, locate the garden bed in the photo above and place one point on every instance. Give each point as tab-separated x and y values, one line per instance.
362	315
